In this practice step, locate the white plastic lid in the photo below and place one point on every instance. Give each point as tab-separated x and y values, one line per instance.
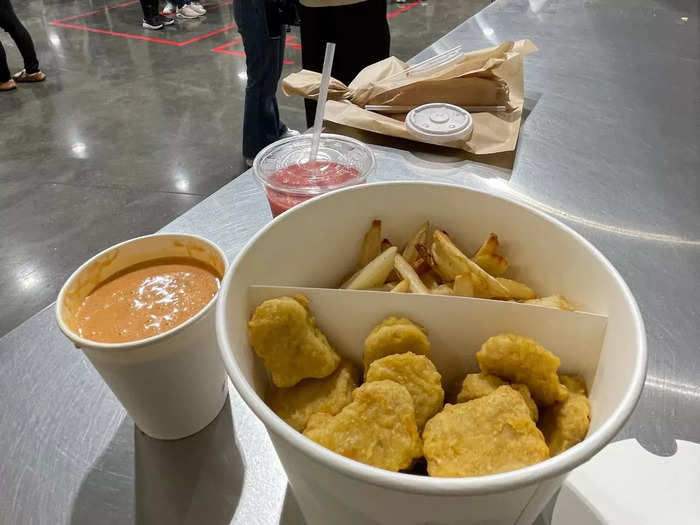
439	123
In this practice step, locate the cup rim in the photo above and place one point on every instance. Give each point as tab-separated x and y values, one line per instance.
83	342
435	486
307	190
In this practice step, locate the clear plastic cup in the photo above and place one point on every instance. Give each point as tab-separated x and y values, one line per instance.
289	178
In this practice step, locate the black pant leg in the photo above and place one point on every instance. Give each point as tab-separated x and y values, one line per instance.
149	8
356	51
10	23
313	48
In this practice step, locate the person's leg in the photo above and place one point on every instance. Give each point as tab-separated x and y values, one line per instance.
4	69
261	125
10	23
313	46
353	54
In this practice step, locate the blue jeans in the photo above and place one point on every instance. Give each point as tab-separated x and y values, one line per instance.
264	55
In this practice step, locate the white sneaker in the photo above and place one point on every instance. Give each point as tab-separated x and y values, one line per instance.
198	8
289	133
169	8
187	12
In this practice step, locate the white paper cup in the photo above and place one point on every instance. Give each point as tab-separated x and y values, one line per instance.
172	384
294	250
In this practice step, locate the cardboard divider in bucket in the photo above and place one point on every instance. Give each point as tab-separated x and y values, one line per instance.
456	326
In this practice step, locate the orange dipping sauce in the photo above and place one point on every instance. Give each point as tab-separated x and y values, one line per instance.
146	299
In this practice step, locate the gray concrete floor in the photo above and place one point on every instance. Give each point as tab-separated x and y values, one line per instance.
127	134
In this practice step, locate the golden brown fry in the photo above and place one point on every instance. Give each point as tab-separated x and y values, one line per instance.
443	289
410	253
565	424
552	301
430	280
283	333
451	262
378	428
420	377
523	360
492	434
420	266
296	404
488	258
463	286
395	336
371	244
407	272
402	287
475	386
516	290
375	273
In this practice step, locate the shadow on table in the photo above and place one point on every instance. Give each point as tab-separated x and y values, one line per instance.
291	513
148	481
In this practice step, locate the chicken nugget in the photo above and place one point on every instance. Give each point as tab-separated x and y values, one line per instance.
395	336
523	360
475	386
488	435
527	397
284	334
378	428
565	424
329	394
573	383
420	377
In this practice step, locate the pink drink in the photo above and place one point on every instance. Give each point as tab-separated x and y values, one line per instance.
319	174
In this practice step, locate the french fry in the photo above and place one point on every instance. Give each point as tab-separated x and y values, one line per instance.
463	286
451	262
443	289
552	301
421	266
374	273
386	244
408	273
402	287
430	279
410	253
517	290
371	244
488	258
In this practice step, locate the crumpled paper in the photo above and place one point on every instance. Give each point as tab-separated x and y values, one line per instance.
486	77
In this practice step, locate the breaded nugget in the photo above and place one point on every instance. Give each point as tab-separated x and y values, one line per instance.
565	424
420	377
492	434
573	383
378	428
329	394
475	386
527	397
395	336
284	334
523	360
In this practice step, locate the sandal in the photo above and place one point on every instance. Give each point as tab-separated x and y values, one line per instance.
8	86
23	76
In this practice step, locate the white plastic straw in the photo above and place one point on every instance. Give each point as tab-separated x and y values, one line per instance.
322	96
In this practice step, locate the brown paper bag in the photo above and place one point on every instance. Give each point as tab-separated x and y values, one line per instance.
487	77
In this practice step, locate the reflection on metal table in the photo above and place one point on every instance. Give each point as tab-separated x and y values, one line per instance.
609	145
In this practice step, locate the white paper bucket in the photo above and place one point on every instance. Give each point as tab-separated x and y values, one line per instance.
317	243
172	384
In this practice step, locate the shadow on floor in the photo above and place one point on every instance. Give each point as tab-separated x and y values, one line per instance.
152	482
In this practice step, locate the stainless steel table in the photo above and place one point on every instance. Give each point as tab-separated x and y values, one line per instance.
609	145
